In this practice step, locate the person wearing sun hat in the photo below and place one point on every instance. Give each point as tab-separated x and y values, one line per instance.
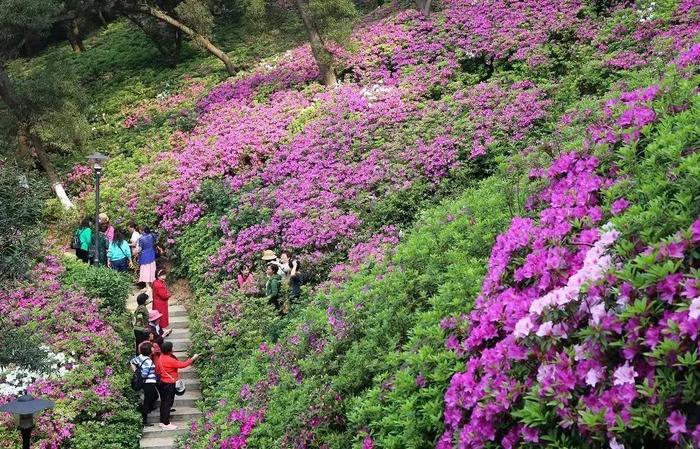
155	332
269	255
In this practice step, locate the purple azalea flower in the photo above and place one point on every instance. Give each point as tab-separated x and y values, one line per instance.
618	206
677	425
668	287
624	374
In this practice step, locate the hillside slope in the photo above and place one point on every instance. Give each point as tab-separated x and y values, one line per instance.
496	216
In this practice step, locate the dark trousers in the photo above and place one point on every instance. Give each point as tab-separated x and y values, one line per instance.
140	337
120	265
167	398
150	396
82	254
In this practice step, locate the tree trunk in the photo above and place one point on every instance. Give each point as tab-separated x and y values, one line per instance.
7	94
324	58
195	36
25	136
73	33
101	16
423	6
38	147
154	38
24	150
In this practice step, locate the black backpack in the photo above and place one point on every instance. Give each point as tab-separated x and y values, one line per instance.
75	243
137	378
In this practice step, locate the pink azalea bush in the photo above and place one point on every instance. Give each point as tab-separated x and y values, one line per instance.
571	331
93	382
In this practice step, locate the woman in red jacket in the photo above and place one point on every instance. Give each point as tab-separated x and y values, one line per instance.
168	367
161	295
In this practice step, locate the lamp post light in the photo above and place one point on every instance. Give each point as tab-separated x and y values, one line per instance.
97	159
24	409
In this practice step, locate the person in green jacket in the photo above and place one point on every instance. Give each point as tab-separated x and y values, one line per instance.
141	319
84	237
273	285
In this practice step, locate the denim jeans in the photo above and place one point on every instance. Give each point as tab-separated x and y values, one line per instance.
120	265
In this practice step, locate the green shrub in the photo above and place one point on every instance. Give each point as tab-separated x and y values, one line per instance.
21	348
99	283
121	431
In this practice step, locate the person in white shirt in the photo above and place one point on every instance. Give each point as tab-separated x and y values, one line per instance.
134	239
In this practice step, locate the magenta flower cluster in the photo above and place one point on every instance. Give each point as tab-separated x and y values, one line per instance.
555	307
305	164
70	323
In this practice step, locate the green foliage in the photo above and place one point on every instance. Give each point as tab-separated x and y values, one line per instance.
17	17
333	18
21	212
390	336
121	431
662	176
196	14
196	244
19	347
99	283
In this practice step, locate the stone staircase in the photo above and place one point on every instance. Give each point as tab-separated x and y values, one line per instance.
153	436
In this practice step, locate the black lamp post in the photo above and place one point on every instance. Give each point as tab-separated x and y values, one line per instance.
97	159
24	409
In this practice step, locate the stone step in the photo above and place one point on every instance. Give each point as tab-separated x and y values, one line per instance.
177	314
165	441
178	321
179	344
182	355
181	414
188	374
180	333
191	381
154	431
189	399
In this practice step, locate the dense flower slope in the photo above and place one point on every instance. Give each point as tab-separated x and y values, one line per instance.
87	376
549	301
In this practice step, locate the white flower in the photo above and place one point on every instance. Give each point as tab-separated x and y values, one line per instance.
592	377
624	375
545	329
694	310
597	313
615	445
523	327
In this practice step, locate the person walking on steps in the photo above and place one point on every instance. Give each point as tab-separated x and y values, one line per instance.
161	295
141	325
147	257
273	285
81	241
144	363
106	227
169	367
119	253
155	332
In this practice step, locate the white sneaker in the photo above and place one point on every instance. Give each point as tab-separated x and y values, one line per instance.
168	426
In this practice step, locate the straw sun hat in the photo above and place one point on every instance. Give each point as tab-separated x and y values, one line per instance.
154	315
268	254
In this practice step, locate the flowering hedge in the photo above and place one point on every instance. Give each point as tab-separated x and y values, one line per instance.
585	332
89	383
